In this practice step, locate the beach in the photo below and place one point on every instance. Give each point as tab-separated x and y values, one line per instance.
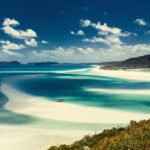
137	92
40	107
123	74
24	137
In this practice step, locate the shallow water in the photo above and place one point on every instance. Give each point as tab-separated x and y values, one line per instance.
40	81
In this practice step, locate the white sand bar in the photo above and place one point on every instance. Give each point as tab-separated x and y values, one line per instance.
116	91
124	74
35	106
24	138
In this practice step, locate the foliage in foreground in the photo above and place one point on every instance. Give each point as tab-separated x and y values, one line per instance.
134	137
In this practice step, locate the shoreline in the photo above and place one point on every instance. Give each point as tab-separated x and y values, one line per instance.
117	91
121	74
43	108
27	138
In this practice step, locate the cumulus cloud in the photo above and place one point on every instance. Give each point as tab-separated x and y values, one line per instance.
104	29
116	49
12	53
57	53
85	23
72	32
140	22
84	54
85	51
44	42
11	46
79	32
8	22
91	54
105	34
19	34
31	42
109	40
27	35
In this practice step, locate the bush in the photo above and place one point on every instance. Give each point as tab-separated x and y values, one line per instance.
134	137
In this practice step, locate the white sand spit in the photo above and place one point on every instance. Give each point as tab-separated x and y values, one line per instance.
35	106
24	138
133	75
116	91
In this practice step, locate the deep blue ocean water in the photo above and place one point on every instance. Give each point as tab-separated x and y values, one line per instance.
40	81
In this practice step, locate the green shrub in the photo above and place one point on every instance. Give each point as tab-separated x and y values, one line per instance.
134	137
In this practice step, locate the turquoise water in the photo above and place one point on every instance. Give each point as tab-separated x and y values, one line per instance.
42	68
71	86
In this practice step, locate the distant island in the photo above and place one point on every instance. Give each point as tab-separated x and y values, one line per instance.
48	63
8	63
131	63
43	63
16	63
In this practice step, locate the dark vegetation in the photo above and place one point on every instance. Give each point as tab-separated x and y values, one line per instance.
132	63
134	137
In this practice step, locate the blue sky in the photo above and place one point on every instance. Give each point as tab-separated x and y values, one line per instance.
74	30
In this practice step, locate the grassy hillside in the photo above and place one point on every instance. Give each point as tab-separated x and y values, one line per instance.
132	63
134	137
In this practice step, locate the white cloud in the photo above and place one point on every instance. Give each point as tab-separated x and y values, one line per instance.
19	34
44	42
91	54
86	51
140	22
8	48
31	42
4	42
7	45
79	32
102	33
115	50
72	32
8	22
104	29
80	54
85	23
61	51
109	40
12	53
57	53
105	34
